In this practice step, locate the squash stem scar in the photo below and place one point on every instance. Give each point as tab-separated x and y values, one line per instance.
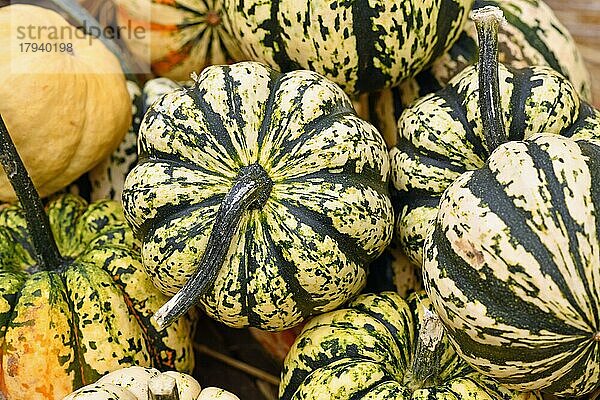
251	190
596	337
487	20
425	366
38	224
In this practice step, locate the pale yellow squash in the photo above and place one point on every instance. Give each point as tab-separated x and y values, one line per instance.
66	110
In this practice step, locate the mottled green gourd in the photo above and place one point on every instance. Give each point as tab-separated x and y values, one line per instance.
259	194
512	264
361	45
381	347
530	35
75	301
441	136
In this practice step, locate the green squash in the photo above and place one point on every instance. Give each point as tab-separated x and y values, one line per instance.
512	263
441	136
75	302
530	35
362	46
383	347
263	191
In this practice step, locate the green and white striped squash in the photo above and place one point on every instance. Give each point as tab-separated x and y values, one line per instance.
441	136
382	347
512	263
177	37
138	383
362	46
75	301
261	194
531	35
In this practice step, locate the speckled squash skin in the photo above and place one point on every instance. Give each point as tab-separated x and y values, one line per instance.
328	214
367	351
531	35
362	45
63	329
513	264
441	136
179	36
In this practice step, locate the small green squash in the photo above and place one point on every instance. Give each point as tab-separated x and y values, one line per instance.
361	45
260	194
442	135
530	35
512	263
137	383
75	302
382	347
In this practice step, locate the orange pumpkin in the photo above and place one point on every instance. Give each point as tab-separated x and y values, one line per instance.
176	37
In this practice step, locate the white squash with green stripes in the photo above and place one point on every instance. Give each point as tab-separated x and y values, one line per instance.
261	194
512	262
362	45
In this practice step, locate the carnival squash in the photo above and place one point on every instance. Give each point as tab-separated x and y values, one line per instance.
441	135
260	194
362	46
137	383
177	37
63	94
530	35
383	347
75	301
512	264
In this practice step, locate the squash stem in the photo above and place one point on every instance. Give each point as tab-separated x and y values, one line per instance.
163	387
425	366
250	190
487	20
49	257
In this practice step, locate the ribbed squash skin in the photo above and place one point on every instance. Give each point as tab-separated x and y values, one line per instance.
326	217
440	137
366	351
179	36
513	265
64	329
361	45
531	35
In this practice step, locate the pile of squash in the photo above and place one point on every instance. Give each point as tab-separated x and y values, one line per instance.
416	183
